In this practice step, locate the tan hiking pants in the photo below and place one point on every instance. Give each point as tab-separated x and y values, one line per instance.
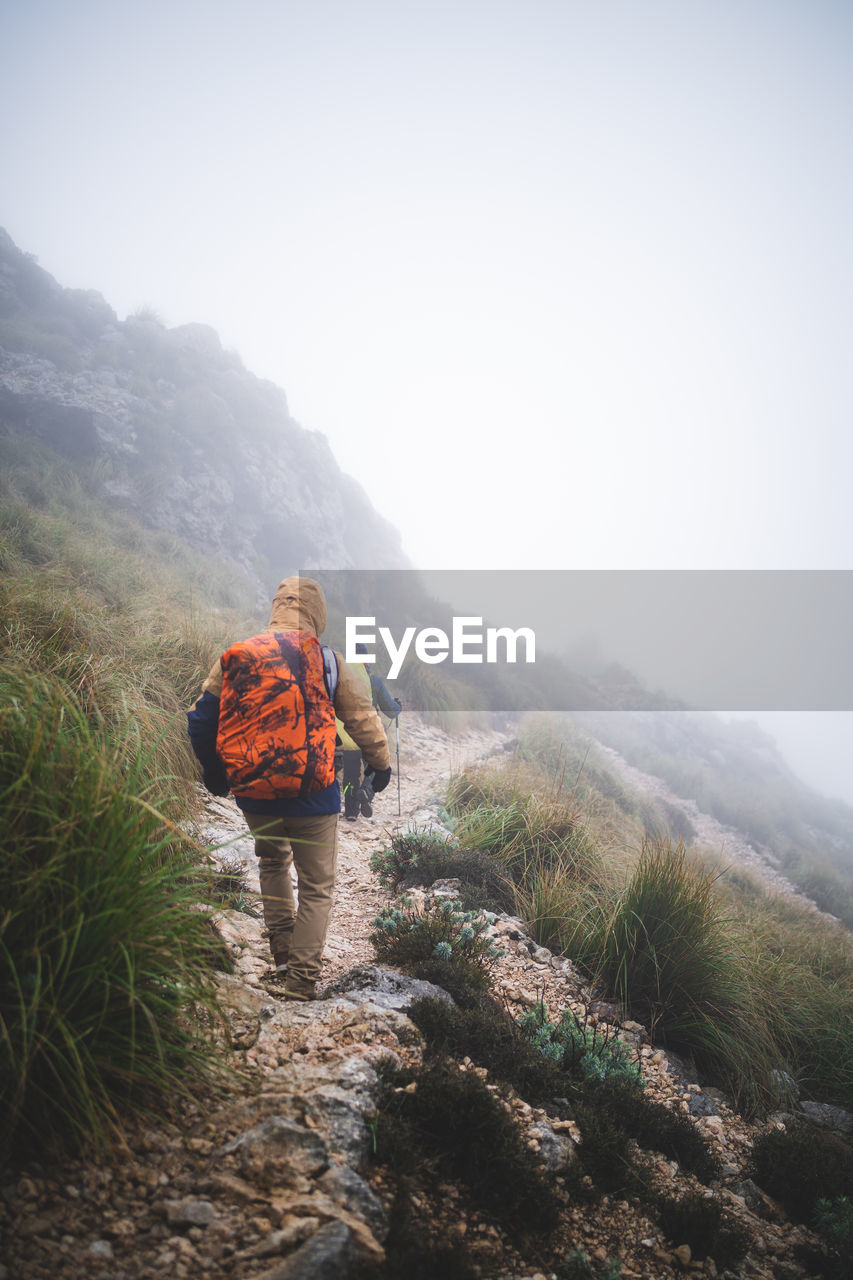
311	845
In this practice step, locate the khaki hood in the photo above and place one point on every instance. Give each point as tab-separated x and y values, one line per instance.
299	605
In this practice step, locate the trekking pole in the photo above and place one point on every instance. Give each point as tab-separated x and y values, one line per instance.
397	732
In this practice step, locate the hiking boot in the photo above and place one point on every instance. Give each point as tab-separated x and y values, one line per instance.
300	989
279	962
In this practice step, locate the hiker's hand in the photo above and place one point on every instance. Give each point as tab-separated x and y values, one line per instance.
380	779
399	707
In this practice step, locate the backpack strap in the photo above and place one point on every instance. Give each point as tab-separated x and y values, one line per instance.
330	671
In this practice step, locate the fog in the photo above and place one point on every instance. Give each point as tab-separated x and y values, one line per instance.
567	286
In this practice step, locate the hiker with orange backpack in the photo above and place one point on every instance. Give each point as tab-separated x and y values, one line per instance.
264	728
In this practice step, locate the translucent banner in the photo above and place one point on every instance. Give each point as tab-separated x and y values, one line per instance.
599	640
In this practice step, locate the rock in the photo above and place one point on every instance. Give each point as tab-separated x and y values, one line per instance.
683	1069
278	1151
385	988
450	888
347	1188
234	1188
318	1204
555	1151
784	1086
40	1225
101	1249
239	996
340	1116
787	1270
684	1254
700	1104
424	820
828	1117
328	1255
634	1032
281	1241
759	1202
189	1213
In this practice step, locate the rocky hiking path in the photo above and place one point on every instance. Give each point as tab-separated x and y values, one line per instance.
428	756
273	1180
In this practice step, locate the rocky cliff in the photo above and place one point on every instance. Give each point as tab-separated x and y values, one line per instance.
183	433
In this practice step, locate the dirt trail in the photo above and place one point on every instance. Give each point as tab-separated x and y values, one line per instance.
427	758
728	842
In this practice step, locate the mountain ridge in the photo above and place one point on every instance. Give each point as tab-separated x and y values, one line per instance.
188	438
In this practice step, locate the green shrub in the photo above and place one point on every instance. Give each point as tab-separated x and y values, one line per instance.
445	932
466	982
654	1126
555	902
829	888
801	1165
582	1050
703	1224
833	1221
451	1122
103	951
407	851
488	1035
605	1151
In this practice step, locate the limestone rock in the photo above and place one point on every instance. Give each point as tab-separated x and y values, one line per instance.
700	1104
385	988
339	1114
347	1188
556	1151
189	1213
828	1117
278	1151
328	1255
759	1202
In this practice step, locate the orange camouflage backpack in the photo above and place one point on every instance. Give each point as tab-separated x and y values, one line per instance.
276	734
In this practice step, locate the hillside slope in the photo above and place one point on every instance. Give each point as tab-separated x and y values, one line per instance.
186	437
196	1198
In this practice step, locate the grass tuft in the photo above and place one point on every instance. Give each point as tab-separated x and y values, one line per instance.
676	962
103	948
422	857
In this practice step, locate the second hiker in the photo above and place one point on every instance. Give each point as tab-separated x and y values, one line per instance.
358	790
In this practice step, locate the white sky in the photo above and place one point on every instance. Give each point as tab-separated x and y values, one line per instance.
566	283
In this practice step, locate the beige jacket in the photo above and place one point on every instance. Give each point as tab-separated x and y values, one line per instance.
300	605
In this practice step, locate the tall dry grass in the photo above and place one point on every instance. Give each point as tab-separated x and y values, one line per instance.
105	958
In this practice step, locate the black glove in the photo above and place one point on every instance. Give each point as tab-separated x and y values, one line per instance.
399	706
380	778
216	781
